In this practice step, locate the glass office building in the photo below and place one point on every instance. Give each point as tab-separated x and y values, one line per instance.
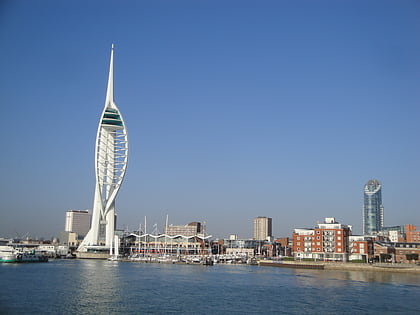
373	210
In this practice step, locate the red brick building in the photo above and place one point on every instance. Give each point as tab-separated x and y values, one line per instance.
328	241
411	234
407	252
382	250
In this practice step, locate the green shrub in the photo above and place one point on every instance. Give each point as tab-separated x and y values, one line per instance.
288	258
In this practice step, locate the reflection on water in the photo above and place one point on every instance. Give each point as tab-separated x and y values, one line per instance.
328	277
103	287
100	287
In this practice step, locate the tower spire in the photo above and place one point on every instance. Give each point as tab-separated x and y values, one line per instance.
109	102
111	156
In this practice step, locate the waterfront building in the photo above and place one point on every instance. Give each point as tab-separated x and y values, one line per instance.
302	243
383	251
163	244
243	246
328	241
190	229
111	156
77	221
282	246
373	210
407	252
262	228
411	234
69	239
360	247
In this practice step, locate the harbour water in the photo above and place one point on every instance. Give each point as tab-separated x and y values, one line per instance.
106	287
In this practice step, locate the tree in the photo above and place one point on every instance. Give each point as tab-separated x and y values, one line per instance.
385	257
412	256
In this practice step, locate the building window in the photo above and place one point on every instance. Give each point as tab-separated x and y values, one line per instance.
338	232
339	238
298	238
318	232
318	238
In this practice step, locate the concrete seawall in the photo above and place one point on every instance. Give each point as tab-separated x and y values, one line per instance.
409	268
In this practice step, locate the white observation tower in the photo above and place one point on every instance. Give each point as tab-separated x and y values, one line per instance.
111	156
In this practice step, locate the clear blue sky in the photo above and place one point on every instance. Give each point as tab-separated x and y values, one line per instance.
234	109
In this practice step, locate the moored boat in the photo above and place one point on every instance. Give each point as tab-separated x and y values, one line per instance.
22	257
7	254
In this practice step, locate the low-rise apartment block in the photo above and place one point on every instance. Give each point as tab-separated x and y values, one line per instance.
328	241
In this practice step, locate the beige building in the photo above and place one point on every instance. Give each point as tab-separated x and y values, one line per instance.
262	228
77	221
190	229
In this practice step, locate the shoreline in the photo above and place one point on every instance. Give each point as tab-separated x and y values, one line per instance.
381	267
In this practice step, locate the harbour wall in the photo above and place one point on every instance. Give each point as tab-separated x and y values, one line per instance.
343	266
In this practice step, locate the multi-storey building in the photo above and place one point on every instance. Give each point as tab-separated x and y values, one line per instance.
77	221
262	228
393	233
302	243
328	241
190	229
373	210
360	247
407	252
411	234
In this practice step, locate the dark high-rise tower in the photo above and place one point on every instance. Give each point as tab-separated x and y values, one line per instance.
373	210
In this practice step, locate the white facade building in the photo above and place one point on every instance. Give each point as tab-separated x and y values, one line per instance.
78	221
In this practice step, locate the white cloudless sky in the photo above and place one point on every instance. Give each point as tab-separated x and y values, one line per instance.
234	109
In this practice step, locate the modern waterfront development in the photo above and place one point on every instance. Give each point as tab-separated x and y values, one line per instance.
94	235
274	142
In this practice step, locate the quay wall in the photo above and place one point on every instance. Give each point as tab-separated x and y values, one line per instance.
82	255
344	266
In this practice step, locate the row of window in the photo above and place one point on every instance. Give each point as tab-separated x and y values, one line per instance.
339	250
319	237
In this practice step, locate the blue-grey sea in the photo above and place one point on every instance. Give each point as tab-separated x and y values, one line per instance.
105	287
